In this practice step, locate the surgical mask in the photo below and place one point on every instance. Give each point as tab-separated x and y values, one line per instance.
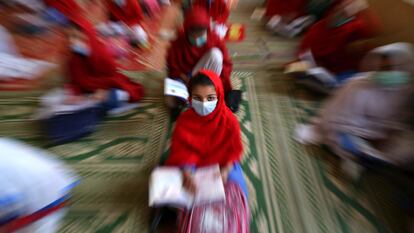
80	48
200	41
119	3
392	78
203	108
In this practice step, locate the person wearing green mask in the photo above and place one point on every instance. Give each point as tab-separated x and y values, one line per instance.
366	117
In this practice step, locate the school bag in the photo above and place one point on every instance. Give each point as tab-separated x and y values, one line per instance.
233	100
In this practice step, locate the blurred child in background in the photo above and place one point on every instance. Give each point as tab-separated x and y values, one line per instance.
366	119
125	18
35	189
197	48
92	69
219	12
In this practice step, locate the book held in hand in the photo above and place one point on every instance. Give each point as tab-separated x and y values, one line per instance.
166	187
175	88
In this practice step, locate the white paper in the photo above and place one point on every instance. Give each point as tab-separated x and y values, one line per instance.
322	74
175	88
209	185
166	187
53	103
258	14
307	56
13	67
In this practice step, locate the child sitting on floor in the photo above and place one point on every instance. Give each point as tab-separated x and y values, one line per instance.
196	48
92	69
208	134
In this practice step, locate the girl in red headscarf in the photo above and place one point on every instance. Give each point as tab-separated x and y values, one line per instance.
92	69
325	48
125	19
327	40
198	48
209	134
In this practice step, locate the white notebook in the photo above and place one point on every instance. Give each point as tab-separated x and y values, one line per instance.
166	187
258	13
12	67
175	88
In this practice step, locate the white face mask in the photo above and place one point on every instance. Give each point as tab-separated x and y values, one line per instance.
120	3
80	48
204	108
200	41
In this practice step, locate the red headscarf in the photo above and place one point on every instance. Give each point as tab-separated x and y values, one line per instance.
183	56
285	7
217	9
69	8
98	70
207	140
130	13
328	44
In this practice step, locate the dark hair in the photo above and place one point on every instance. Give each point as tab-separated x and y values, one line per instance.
197	29
200	79
72	24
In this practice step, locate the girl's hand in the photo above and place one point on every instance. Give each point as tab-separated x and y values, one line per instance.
188	182
100	95
185	78
225	171
73	99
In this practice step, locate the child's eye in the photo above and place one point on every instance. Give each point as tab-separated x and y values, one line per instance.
211	98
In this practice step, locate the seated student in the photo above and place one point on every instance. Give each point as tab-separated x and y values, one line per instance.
327	40
92	69
219	12
324	49
125	18
198	48
209	134
370	110
294	17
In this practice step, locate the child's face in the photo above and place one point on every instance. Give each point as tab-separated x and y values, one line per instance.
204	93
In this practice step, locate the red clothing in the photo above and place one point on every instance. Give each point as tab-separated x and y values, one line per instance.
217	9
98	70
207	140
328	44
130	13
69	8
183	56
285	7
